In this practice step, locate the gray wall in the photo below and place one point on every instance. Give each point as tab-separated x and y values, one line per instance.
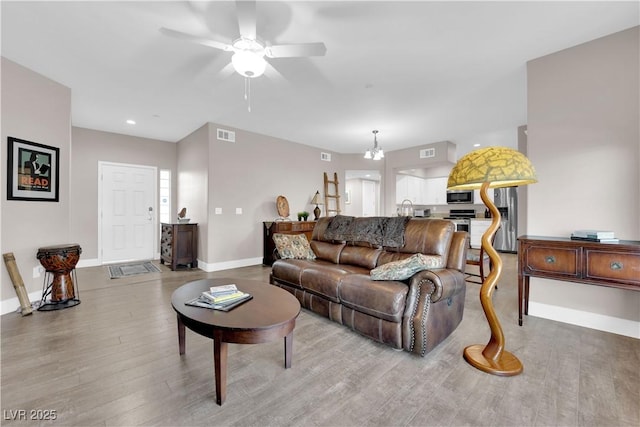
248	174
35	109
583	139
193	183
91	146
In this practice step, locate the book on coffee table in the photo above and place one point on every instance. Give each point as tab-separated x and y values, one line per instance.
204	302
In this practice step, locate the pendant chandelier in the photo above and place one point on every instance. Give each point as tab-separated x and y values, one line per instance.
376	153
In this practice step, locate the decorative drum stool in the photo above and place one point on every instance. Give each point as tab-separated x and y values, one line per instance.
60	280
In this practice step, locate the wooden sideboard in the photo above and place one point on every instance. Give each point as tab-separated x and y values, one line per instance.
616	265
179	245
283	227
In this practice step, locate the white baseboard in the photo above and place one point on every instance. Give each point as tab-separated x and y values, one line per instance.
88	263
600	322
226	265
12	304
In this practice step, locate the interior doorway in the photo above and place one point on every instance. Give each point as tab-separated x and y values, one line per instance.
127	222
362	196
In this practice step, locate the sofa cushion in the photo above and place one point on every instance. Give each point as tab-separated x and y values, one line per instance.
403	269
293	246
289	270
327	251
360	256
382	300
323	279
428	236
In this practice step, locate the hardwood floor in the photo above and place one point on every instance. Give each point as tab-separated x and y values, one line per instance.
113	361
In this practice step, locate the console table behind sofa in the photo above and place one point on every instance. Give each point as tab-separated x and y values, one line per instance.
616	265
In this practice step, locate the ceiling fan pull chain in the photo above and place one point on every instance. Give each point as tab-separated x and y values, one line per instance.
247	92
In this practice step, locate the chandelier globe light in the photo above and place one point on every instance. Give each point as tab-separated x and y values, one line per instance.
376	153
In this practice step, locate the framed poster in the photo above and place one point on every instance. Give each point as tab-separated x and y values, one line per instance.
33	171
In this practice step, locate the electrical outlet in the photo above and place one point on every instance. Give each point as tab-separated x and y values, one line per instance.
218	211
37	271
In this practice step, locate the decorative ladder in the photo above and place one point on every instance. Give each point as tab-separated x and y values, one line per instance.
335	197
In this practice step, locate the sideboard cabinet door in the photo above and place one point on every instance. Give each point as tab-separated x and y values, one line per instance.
179	245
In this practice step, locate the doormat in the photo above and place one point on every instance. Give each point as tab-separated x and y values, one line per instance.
124	270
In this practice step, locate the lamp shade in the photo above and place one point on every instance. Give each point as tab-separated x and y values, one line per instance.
316	199
500	166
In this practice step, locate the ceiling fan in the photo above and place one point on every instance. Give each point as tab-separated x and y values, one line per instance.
249	51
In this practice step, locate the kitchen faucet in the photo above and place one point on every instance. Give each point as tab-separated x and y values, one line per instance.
409	211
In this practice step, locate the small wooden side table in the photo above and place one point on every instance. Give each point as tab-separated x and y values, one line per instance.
179	245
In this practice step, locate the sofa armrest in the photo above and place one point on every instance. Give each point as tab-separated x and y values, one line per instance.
444	281
426	288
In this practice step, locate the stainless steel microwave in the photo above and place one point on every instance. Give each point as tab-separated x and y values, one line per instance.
460	197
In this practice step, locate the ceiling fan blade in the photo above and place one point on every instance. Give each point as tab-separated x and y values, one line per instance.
246	18
195	39
273	74
293	50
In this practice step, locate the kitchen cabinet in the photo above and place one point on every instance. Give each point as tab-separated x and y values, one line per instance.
477	200
476	231
436	191
402	188
421	191
409	188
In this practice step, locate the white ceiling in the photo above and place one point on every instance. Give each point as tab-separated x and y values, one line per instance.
419	72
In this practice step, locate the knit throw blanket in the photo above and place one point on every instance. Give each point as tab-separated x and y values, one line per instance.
378	231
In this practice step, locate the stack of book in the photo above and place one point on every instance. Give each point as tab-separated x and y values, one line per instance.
595	236
224	297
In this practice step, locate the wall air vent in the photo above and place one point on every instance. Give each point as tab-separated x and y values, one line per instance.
427	153
325	156
226	135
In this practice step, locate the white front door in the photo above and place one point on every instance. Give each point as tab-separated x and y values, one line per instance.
127	200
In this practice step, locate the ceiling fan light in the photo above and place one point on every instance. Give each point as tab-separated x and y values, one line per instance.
248	63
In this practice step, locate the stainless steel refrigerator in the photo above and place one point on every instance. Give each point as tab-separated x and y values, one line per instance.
506	200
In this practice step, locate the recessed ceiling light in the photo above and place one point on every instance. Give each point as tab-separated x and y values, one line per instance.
476	145
131	122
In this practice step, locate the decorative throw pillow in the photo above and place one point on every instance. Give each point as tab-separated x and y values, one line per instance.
403	269
293	246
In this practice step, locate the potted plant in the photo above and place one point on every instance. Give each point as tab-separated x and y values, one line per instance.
303	215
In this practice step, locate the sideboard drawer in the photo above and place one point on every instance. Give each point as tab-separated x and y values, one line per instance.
556	261
615	265
302	226
619	266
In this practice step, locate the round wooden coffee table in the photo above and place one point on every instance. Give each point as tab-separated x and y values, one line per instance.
270	315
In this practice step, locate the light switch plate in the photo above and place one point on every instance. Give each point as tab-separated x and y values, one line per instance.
218	211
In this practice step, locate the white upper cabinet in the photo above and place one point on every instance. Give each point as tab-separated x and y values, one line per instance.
476	196
436	191
421	191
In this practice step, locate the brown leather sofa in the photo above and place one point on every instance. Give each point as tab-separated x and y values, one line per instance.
415	314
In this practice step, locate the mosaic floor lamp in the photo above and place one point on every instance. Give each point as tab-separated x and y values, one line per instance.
485	168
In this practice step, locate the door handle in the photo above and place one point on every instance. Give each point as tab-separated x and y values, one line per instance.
149	212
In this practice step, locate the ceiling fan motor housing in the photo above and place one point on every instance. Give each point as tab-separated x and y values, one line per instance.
248	58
